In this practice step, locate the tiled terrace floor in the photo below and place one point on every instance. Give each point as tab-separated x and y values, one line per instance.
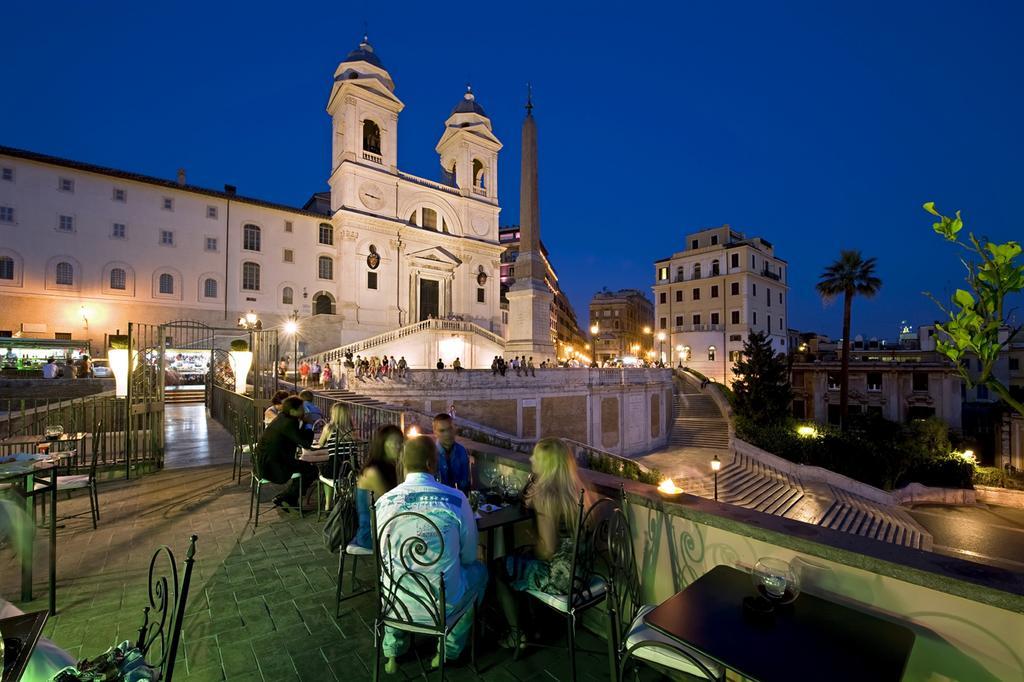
261	606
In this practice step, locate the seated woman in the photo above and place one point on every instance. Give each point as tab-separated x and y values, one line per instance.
554	497
340	424
270	414
378	475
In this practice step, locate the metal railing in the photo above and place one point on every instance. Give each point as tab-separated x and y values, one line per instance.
338	354
366	419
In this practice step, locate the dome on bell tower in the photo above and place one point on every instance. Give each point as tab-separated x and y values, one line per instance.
365	53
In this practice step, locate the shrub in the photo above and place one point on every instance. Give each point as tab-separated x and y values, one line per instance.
239	345
118	341
999	477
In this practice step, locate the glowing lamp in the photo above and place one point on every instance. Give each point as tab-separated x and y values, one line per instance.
669	490
716	464
118	361
806	431
661	336
412	432
968	456
241	361
290	327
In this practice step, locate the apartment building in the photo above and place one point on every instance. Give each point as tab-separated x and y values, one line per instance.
621	324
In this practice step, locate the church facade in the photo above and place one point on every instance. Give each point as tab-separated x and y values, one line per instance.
85	249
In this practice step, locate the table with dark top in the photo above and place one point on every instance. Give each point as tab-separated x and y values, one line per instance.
28	470
23	632
505	518
811	639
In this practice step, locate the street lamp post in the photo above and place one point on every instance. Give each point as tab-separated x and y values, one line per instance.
679	354
661	348
716	464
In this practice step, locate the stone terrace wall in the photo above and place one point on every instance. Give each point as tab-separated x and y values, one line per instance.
40	389
623	411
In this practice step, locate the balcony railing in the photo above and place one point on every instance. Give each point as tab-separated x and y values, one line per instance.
479	190
699	328
771	275
376	158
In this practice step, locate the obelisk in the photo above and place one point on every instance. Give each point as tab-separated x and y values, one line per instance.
529	298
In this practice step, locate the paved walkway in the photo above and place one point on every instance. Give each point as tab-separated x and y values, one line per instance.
261	606
193	439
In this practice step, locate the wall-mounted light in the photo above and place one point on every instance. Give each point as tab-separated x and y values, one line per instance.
84	312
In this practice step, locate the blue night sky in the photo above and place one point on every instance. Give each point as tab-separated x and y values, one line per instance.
817	125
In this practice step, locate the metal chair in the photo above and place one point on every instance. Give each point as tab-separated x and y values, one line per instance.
344	456
256	484
162	619
410	596
70	482
345	495
630	637
245	444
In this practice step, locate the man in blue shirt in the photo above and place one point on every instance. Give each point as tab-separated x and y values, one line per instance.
452	523
452	457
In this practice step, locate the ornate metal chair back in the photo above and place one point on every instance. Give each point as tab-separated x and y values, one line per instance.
162	618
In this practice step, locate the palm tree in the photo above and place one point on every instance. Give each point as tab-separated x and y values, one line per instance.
850	275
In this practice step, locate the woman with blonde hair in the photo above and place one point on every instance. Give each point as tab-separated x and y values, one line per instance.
553	494
340	422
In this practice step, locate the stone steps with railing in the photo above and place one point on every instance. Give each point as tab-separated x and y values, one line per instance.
368	344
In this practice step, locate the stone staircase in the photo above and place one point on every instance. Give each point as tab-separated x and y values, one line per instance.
853	514
350	396
698	421
748	483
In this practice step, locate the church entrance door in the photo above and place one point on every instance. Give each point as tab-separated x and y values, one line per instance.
429	299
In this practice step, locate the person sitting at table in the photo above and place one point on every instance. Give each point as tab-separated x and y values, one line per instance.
378	475
339	423
270	414
465	578
452	457
312	410
275	458
553	495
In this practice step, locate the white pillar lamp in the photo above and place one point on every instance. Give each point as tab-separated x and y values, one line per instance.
117	358
241	361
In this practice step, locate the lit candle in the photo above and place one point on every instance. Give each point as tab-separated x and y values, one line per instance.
412	432
668	487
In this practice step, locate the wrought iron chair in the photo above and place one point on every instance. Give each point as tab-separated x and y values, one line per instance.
589	588
343	457
410	596
345	494
245	444
162	618
630	637
68	483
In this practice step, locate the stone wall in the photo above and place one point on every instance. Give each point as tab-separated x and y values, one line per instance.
41	389
623	411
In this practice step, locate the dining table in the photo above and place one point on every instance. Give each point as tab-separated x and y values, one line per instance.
37	474
504	517
812	638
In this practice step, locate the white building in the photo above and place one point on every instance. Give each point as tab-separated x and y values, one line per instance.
84	249
710	295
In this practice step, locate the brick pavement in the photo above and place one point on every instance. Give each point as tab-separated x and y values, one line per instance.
261	606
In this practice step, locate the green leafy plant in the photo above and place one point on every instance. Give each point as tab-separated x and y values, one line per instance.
239	345
978	323
117	342
761	391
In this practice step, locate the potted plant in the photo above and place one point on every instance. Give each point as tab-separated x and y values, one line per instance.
241	361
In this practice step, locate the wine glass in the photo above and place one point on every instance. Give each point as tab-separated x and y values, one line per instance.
775	580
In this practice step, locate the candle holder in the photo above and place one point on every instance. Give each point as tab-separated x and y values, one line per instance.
669	490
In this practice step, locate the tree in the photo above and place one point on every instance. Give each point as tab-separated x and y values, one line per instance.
851	275
761	391
978	323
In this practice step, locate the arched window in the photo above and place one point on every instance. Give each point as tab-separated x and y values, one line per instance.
6	267
323	304
429	218
327	234
711	353
250	276
210	287
679	274
325	267
166	283
696	270
714	267
479	178
118	279
412	218
371	137
65	273
444	225
286	296
251	237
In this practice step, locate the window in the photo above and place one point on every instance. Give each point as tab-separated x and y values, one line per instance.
211	212
287	296
7	174
714	291
768	296
62	336
736	337
166	283
6	267
325	267
250	237
754	288
662	273
326	234
663	323
166	238
833	381
679	320
874	382
323	304
734	260
118	279
371	137
714	318
371	280
210	287
1014	364
250	276
429	216
120	195
6	214
693	244
714	240
780	298
920	381
780	327
65	274
734	288
753	262
289	256
481	295
118	231
66	223
168	204
663	297
755	317
696	270
696	294
715	270
711	353
680	276
288	226
735	355
211	243
735	317
679	296
479	179
696	320
66	185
